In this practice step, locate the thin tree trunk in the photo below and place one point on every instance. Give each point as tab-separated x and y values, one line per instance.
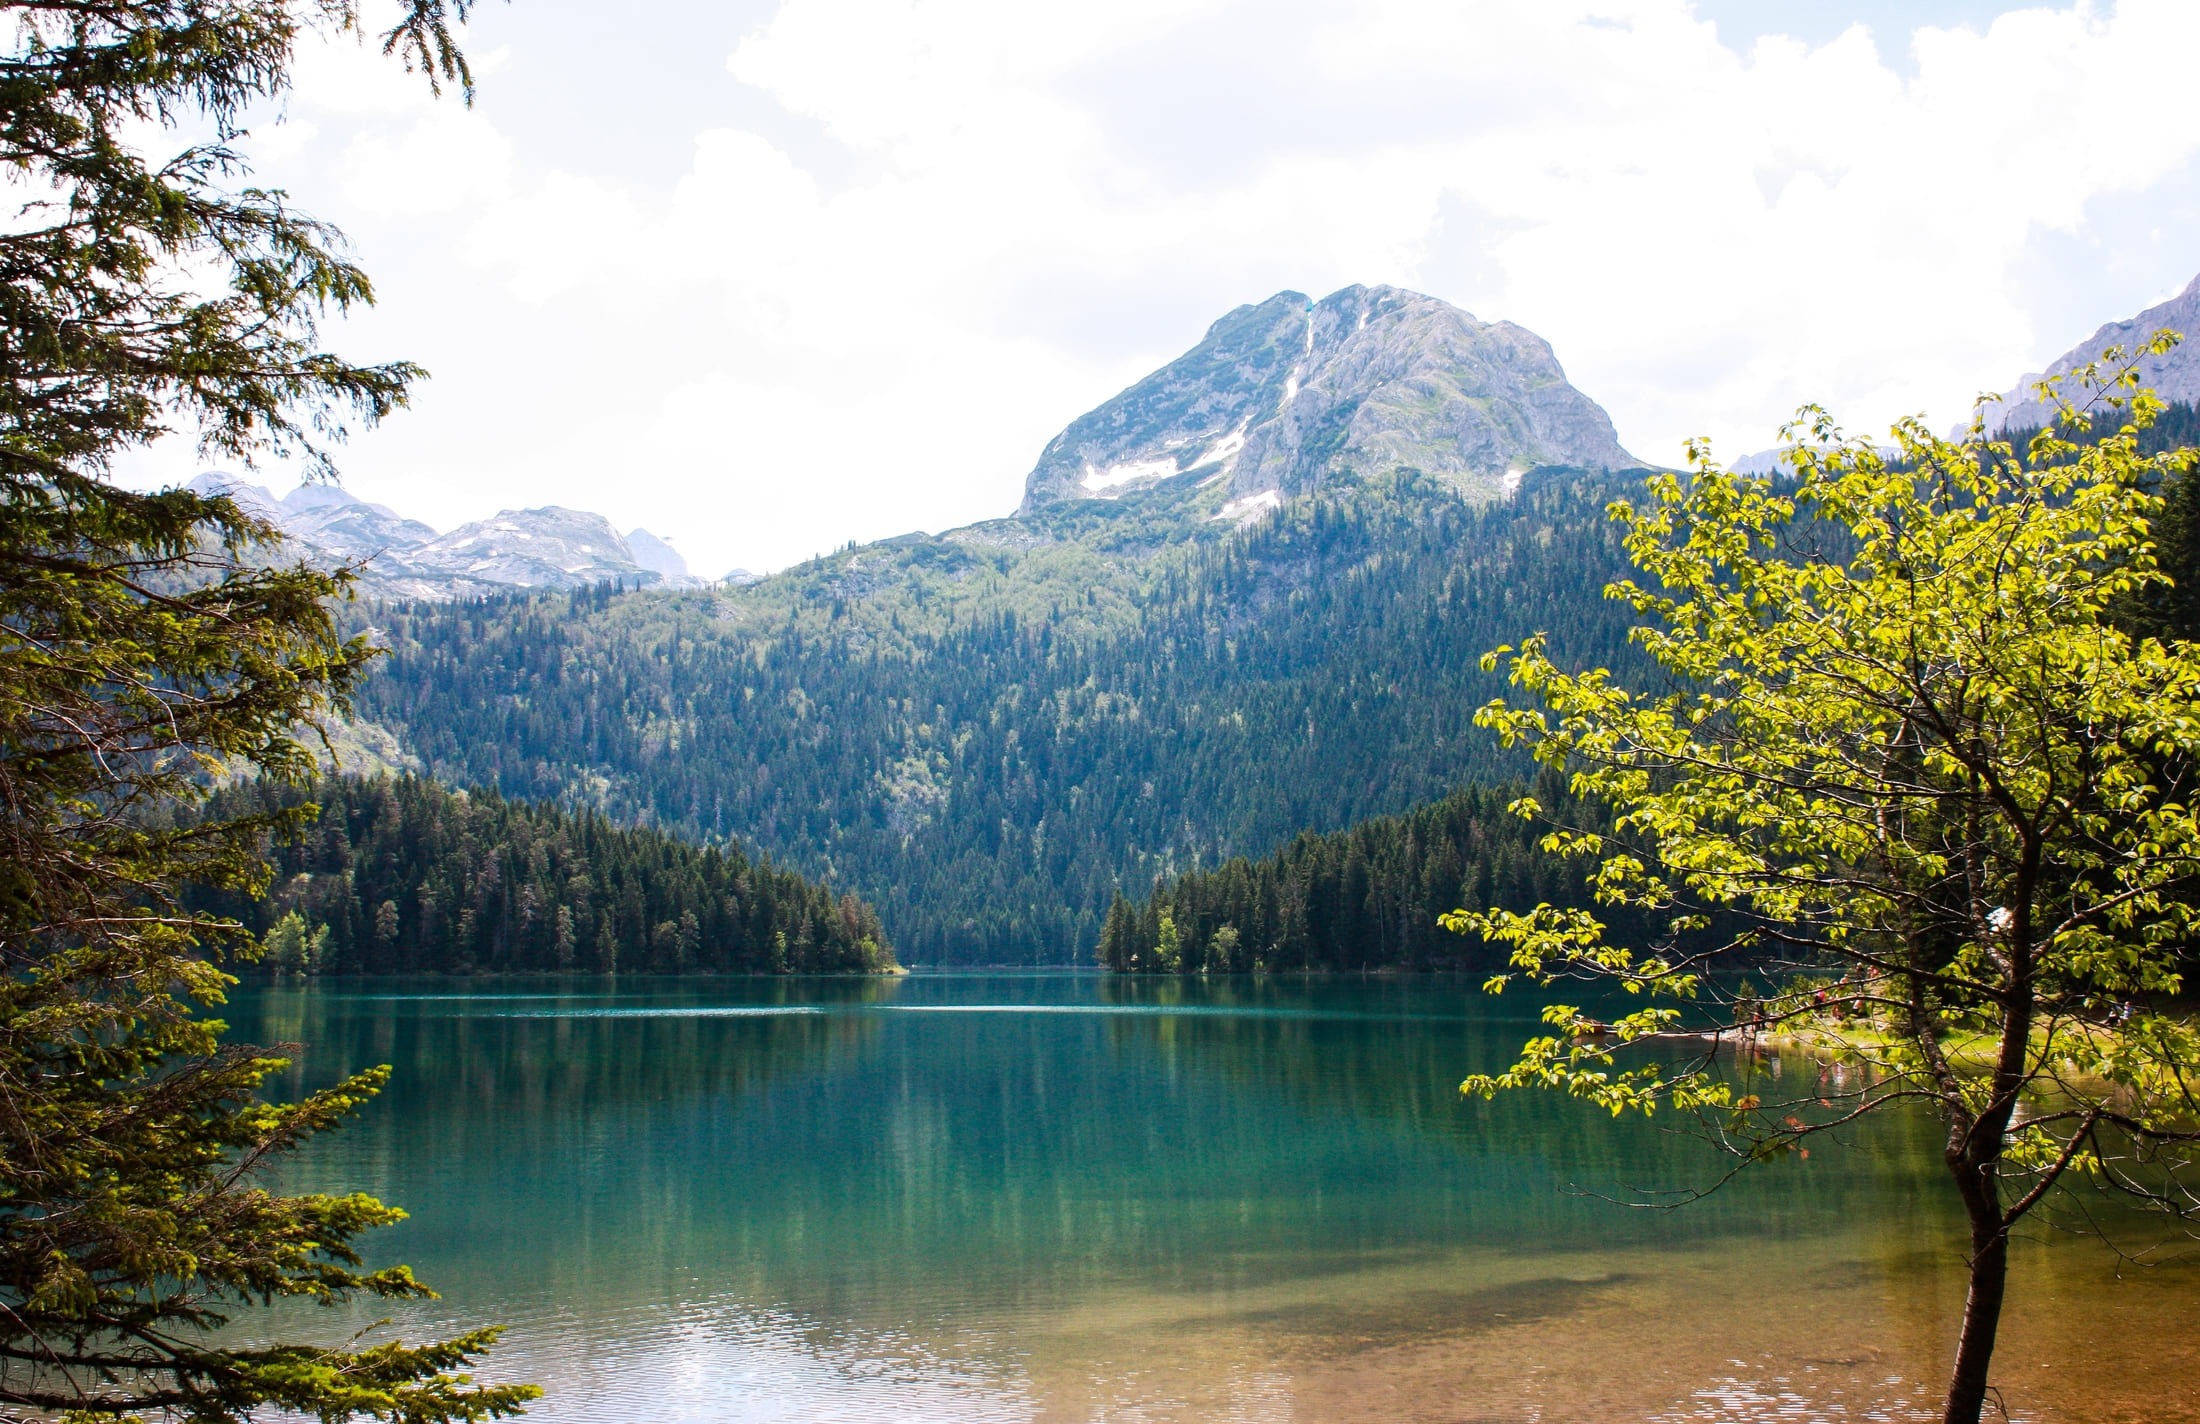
1982	1304
1975	1157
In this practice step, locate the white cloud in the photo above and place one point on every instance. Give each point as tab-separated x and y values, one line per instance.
921	238
444	160
571	231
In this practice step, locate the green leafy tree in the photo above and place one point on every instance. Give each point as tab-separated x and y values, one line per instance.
1168	948
293	944
146	644
1905	748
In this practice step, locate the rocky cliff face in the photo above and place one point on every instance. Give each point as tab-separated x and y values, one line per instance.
2174	377
1283	396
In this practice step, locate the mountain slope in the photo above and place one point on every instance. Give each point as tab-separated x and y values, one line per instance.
2175	377
1282	397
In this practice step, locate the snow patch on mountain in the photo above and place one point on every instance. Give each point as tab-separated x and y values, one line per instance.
1110	482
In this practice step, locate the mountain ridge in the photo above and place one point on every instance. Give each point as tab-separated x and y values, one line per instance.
395	557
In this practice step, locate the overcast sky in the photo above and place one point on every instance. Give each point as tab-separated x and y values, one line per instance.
768	277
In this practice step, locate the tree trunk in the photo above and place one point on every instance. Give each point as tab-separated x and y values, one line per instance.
1982	1304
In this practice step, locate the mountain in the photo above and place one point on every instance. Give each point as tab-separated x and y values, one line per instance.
991	732
1283	397
994	732
396	557
324	518
1775	460
2175	377
990	743
347	528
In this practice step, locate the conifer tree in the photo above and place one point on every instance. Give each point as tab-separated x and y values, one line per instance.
144	643
499	886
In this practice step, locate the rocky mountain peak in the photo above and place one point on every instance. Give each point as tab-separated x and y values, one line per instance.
1283	395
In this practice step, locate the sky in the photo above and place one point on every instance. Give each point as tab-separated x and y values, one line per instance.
768	276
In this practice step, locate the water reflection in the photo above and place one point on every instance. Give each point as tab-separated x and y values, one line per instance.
1055	1198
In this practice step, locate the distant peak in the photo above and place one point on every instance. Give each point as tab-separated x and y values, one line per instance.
656	554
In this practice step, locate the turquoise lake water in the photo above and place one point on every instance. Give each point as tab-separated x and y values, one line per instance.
1068	1198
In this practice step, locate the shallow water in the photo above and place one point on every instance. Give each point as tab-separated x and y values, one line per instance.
1067	1198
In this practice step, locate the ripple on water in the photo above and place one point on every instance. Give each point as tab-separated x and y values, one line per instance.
717	1363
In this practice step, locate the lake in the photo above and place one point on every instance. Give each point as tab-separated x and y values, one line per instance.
1057	1197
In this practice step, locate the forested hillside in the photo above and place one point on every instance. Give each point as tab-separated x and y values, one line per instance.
1364	898
401	875
989	739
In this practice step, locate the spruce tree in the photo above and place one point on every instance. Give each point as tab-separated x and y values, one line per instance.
145	642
